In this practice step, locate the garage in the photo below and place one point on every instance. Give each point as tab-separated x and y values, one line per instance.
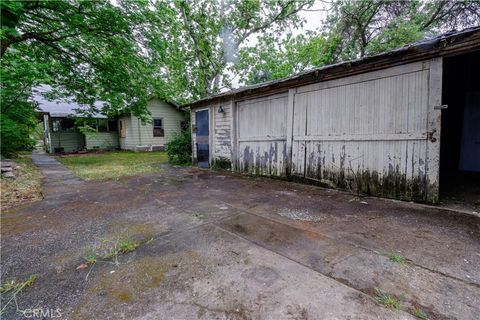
371	126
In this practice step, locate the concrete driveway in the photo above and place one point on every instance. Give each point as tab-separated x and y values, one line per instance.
217	245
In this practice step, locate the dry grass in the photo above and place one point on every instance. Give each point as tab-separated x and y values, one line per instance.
25	188
108	165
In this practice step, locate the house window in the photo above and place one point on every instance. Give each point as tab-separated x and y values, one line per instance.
63	125
102	125
158	128
56	125
68	124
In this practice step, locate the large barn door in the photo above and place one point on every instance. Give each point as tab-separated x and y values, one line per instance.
262	135
371	133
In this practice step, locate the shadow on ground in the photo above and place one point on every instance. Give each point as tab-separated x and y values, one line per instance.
224	246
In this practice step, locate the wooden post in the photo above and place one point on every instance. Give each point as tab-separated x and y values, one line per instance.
433	129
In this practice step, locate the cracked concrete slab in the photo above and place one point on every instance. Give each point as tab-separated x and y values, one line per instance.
225	246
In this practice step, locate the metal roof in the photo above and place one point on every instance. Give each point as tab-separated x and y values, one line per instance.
451	42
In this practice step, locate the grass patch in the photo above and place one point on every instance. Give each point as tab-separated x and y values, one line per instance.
396	258
10	289
419	313
25	188
387	300
110	165
110	250
198	215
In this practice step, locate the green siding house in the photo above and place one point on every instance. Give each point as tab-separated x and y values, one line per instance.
166	121
61	133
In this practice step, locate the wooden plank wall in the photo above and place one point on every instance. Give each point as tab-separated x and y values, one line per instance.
375	133
262	135
366	133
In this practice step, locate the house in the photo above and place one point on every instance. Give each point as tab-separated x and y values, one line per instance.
62	133
399	124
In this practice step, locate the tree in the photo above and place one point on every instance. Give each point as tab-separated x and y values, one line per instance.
271	59
354	29
89	50
207	36
372	26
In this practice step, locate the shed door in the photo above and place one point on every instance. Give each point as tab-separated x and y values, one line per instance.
370	133
262	135
202	138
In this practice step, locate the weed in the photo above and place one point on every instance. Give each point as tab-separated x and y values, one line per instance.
198	215
396	258
110	250
91	258
128	246
13	287
419	313
387	300
221	163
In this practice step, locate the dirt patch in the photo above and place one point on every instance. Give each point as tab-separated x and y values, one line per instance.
136	283
25	188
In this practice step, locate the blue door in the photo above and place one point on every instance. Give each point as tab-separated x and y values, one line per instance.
202	133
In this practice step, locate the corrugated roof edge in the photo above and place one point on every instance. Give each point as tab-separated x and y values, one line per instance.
451	42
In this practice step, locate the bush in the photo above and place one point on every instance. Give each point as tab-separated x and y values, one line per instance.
179	149
15	137
222	163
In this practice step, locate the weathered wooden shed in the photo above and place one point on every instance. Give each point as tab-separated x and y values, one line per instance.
385	125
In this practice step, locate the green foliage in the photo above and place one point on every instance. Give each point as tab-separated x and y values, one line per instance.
179	149
396	258
15	286
419	313
201	39
271	59
387	300
371	26
12	288
222	163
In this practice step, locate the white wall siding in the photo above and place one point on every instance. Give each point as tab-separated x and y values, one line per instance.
222	132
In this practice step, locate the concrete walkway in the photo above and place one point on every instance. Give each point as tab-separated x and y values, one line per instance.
58	178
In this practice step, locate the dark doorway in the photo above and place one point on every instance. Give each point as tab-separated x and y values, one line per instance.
460	140
202	138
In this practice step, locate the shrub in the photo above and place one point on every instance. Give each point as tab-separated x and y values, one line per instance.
179	149
222	163
15	136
